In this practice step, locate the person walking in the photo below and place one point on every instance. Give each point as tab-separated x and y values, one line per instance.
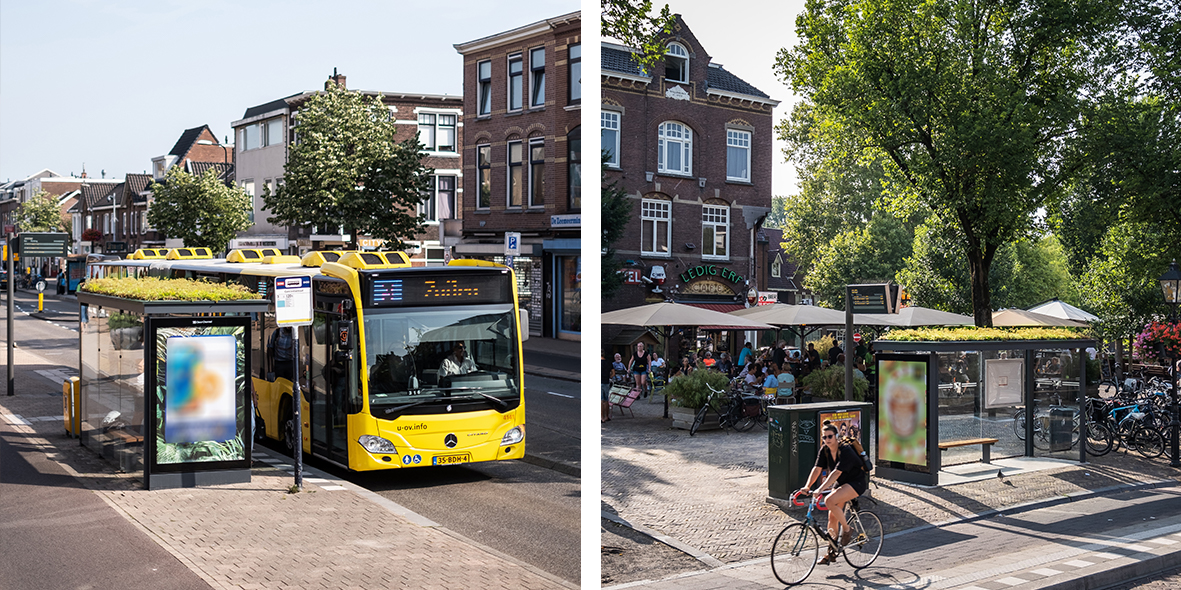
639	368
744	356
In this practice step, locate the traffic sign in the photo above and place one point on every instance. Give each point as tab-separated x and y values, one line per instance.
857	338
293	301
40	286
512	243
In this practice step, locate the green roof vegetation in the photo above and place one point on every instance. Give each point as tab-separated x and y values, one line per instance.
972	333
156	289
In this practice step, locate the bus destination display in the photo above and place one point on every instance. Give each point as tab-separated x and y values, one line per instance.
439	290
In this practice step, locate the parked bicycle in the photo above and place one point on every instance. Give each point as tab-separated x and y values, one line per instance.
733	412
796	549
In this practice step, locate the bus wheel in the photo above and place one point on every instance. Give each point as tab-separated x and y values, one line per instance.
287	426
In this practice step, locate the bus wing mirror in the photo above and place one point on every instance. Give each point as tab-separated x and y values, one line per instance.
524	313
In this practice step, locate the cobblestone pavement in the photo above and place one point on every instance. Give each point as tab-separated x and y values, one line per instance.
710	491
256	535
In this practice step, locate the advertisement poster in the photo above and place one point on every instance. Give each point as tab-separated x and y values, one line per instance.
200	393
847	423
1002	382
902	412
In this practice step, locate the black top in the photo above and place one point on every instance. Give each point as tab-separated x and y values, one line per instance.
849	463
778	356
833	353
640	363
606	371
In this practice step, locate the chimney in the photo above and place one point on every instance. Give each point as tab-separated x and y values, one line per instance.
335	78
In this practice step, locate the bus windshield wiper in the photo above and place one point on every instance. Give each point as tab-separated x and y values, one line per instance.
404	407
474	391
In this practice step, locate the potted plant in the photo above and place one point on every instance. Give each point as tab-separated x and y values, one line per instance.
126	331
830	384
688	393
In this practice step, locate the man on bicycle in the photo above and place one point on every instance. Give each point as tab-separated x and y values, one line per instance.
846	474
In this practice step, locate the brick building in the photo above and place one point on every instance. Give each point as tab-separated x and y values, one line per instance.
522	91
692	146
264	137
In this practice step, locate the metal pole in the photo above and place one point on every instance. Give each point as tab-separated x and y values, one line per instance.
296	403
11	312
848	354
1175	425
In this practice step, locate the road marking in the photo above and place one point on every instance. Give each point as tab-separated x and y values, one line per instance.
15	419
560	394
1045	571
1107	555
1011	581
1079	563
1163	541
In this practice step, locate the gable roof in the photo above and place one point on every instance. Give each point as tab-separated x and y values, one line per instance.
138	183
274	105
620	60
186	141
225	172
93	193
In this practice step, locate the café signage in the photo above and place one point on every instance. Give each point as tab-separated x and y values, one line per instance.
709	270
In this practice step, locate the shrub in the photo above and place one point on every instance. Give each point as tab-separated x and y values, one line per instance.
691	391
987	334
154	289
830	384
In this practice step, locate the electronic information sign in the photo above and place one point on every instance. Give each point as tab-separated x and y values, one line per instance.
407	290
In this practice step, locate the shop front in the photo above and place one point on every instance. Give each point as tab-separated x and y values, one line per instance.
564	308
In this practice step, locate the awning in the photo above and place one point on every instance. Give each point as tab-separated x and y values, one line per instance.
719	307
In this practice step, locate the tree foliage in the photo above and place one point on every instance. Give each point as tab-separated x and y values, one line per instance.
630	22
1120	284
41	213
969	103
872	253
347	169
201	210
616	209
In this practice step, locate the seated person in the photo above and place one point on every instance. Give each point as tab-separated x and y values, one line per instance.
458	363
787	383
770	384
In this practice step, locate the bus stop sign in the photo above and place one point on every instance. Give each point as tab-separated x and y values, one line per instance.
293	301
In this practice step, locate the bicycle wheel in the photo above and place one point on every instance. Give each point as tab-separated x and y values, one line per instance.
1099	439
744	423
1019	424
1149	442
699	420
794	554
867	539
1041	434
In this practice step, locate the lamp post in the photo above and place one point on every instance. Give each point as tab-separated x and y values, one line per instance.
1170	284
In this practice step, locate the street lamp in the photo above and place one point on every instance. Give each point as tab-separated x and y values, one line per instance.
1170	284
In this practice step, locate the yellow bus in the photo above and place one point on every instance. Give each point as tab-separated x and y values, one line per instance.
402	366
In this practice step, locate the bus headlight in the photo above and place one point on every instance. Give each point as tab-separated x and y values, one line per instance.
513	436
376	444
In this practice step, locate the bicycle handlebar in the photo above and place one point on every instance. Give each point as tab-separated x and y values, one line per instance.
820	505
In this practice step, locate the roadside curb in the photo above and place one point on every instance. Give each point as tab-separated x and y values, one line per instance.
699	555
553	373
559	466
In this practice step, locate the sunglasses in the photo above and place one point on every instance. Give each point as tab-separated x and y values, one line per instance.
827	436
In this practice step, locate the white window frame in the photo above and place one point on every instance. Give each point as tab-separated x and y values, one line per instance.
430	206
678	52
248	187
483	168
536	200
610	122
484	88
674	135
656	211
536	78
519	60
715	218
738	139
519	164
434	126
272	136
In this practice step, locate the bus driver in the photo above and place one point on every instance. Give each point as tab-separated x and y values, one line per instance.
458	363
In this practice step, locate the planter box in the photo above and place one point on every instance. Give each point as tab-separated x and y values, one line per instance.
683	418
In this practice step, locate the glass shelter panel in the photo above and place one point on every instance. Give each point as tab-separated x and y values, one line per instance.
113	385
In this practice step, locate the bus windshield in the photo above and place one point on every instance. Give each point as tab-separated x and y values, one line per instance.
442	354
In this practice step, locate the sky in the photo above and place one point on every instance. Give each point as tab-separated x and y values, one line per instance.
111	84
745	36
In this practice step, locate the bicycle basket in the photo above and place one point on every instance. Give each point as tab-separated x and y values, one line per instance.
751	406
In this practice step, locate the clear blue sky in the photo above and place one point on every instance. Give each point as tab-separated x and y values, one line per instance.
113	84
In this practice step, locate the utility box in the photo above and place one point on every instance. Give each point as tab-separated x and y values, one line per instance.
71	400
794	439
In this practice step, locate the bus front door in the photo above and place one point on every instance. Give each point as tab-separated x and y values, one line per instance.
332	376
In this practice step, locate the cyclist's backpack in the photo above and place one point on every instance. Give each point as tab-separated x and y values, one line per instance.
852	441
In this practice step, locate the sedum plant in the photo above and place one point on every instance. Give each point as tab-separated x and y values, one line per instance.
156	289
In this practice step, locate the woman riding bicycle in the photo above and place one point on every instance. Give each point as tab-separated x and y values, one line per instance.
846	474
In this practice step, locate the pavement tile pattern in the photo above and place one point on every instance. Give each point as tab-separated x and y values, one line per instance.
709	491
257	535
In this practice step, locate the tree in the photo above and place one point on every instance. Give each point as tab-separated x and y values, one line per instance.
872	253
346	169
201	210
41	212
971	103
616	209
628	21
1121	284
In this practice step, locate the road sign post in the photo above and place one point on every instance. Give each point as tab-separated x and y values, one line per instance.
9	231
293	309
512	247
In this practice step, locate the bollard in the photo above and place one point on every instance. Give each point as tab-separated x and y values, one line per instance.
71	399
40	302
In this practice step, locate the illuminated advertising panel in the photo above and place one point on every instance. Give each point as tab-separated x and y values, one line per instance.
903	410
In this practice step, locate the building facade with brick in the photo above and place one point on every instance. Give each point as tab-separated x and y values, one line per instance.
691	144
522	90
264	136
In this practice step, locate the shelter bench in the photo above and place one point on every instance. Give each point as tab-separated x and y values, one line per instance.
984	442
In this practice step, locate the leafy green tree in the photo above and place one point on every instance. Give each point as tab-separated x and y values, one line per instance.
347	169
872	253
970	102
41	212
616	209
1121	282
630	22
199	209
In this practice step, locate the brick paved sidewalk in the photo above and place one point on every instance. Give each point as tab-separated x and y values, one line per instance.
708	493
256	535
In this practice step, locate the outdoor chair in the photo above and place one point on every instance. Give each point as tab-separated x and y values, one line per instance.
622	398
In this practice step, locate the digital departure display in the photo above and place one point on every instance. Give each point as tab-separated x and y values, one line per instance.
386	291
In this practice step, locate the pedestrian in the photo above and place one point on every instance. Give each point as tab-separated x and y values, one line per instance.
813	357
834	352
779	354
639	368
744	354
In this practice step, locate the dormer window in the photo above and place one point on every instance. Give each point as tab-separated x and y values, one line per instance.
676	63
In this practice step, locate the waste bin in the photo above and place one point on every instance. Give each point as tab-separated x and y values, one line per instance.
1061	428
71	399
793	433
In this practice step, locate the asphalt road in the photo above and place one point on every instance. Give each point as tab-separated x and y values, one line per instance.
520	509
